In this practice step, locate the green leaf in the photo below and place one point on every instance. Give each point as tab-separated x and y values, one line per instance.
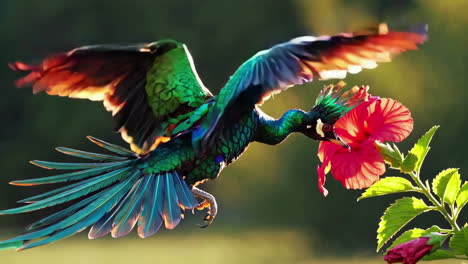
413	234
462	197
390	154
416	155
446	185
409	164
440	254
453	186
388	185
398	215
459	241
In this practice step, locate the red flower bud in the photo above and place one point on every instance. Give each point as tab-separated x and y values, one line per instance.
409	252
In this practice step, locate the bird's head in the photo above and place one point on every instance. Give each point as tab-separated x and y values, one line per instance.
333	102
317	129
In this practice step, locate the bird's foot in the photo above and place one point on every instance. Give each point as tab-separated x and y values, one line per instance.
209	202
202	205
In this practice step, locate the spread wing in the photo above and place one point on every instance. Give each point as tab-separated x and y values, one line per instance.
148	88
298	61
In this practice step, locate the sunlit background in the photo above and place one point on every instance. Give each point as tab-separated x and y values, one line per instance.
270	208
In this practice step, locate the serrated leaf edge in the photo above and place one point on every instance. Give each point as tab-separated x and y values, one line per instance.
380	244
418	163
438	177
413	188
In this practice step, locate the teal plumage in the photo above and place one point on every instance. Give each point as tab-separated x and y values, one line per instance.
179	133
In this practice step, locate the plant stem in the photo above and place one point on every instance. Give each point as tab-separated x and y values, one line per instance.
438	205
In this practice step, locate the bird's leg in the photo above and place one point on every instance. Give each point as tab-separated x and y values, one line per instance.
209	202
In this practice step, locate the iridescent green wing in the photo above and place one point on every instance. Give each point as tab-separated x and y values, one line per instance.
148	88
298	61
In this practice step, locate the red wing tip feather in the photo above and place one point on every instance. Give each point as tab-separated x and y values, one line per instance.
32	77
13	66
19	66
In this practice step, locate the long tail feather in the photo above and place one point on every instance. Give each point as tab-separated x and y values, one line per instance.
82	190
95	211
151	211
60	215
171	213
111	147
72	176
127	218
112	196
88	155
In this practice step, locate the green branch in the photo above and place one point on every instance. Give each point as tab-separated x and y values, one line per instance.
440	207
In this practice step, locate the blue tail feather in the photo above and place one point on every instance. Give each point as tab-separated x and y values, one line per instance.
115	196
13	245
41	196
186	198
127	218
171	212
69	165
60	215
151	212
79	191
111	147
95	211
73	176
89	155
104	225
69	220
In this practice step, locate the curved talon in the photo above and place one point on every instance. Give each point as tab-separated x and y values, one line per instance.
207	220
209	202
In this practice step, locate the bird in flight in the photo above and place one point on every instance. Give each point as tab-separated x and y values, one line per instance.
180	134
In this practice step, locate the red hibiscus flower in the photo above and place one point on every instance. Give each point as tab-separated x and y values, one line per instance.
409	252
376	120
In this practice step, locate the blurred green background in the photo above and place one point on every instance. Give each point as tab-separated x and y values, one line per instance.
270	208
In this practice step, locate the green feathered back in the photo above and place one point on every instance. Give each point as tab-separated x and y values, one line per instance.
173	81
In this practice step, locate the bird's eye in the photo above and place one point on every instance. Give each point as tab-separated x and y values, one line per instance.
326	128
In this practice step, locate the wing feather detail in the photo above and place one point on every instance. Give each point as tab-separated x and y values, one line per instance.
298	61
147	87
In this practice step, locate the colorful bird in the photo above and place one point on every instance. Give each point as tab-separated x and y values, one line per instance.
179	133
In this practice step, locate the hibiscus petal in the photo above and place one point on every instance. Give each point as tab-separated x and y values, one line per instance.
382	120
352	127
389	121
321	179
359	168
328	149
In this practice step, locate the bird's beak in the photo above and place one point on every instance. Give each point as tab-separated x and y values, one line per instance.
337	140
